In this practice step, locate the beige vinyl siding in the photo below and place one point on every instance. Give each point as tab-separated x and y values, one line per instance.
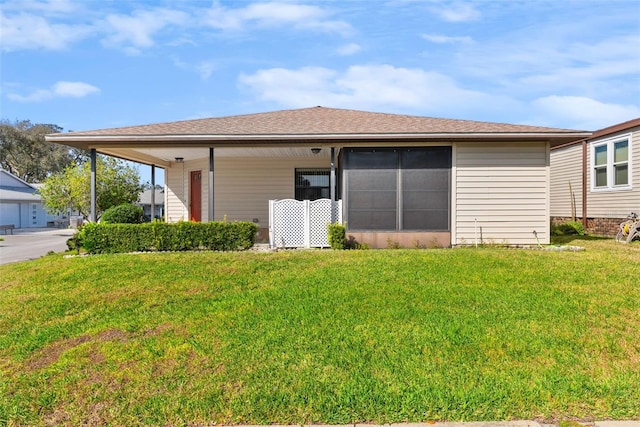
176	191
243	186
616	203
177	179
501	193
566	169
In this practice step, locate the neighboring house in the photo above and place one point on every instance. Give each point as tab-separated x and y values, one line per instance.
402	179
21	205
145	202
597	180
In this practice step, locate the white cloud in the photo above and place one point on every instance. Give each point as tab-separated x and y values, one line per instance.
441	39
61	89
581	112
24	31
47	7
36	96
534	63
275	14
349	49
292	88
73	89
588	67
135	31
367	87
56	24
203	68
457	12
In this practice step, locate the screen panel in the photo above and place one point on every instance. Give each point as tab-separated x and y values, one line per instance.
399	189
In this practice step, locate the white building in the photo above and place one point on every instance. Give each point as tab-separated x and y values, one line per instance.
21	205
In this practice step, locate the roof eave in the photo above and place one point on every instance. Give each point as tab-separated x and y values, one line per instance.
219	140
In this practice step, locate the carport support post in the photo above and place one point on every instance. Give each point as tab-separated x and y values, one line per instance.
332	185
92	217
153	192
210	211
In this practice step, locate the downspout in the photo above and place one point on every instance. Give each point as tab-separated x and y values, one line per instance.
92	216
332	184
584	184
210	212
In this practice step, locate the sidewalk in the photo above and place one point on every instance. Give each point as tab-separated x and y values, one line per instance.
517	423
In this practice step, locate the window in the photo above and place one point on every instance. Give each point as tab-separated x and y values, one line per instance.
621	163
610	165
402	189
312	184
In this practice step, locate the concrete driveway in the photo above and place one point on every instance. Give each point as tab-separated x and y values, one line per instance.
32	243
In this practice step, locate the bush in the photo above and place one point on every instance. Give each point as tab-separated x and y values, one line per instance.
160	236
123	214
74	243
568	228
337	236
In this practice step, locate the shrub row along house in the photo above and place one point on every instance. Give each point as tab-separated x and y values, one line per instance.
390	178
597	180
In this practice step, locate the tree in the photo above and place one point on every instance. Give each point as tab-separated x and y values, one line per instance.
70	189
25	153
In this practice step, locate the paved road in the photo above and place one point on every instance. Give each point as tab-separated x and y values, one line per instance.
32	243
516	423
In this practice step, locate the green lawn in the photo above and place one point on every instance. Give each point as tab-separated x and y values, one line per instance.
322	336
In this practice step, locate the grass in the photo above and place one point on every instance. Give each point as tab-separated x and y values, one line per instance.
322	337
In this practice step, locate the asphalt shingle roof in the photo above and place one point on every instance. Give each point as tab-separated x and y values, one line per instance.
318	121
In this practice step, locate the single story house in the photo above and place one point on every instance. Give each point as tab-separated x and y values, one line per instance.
390	178
21	205
145	201
597	179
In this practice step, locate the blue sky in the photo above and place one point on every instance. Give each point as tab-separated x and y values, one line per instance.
98	64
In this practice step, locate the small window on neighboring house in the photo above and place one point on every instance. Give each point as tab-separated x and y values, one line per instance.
611	165
312	184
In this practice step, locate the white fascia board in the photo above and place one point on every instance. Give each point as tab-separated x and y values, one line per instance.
306	137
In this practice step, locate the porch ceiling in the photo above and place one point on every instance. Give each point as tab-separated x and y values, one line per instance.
164	156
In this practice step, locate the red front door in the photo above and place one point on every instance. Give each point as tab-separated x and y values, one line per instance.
195	196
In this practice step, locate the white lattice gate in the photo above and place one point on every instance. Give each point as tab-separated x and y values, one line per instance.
301	223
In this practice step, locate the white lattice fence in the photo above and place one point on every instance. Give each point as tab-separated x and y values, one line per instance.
301	223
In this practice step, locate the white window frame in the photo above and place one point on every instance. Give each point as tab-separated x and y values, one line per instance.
610	144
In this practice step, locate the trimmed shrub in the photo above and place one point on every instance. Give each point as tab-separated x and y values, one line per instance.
160	236
337	236
568	228
74	243
126	213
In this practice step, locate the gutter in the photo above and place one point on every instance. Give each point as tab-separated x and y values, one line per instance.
198	140
584	184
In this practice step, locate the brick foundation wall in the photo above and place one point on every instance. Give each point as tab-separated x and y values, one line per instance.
596	226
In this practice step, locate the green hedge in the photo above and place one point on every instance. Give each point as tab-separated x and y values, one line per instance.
337	235
568	228
126	213
99	238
